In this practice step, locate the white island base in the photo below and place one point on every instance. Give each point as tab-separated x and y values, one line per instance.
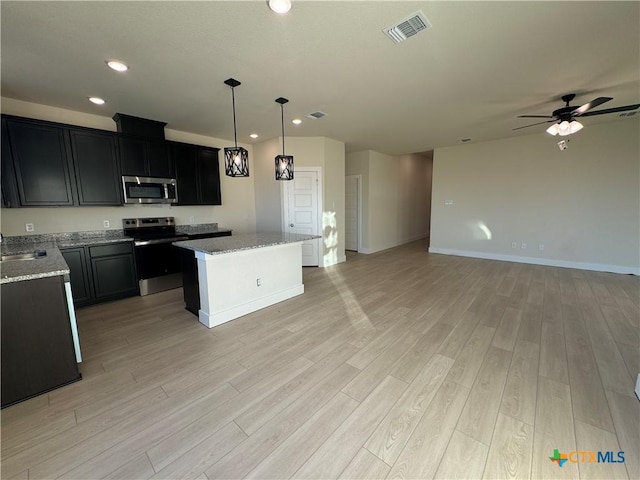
237	283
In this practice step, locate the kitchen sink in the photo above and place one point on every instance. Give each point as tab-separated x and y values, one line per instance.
24	256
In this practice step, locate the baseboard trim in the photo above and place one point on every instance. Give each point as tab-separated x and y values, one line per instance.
220	317
549	262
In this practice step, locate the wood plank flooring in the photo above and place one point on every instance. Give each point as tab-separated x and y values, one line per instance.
400	364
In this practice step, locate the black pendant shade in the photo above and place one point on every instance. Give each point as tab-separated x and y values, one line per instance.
284	163
236	159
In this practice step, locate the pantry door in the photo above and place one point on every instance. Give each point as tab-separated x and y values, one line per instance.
302	212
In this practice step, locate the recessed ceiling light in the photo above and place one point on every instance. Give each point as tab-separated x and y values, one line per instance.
296	121
254	135
97	100
117	65
280	6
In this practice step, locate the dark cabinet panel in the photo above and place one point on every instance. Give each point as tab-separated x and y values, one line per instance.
37	345
96	165
114	276
41	161
189	264
101	272
209	176
79	275
160	162
9	187
197	174
146	158
132	156
185	157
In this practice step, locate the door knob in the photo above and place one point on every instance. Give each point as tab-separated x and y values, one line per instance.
291	224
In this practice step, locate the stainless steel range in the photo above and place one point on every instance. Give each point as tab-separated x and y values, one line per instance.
157	261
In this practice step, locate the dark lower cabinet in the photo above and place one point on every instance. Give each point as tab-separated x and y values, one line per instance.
37	344
81	287
114	271
189	264
101	272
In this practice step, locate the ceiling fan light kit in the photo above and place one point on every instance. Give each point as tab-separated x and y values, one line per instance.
565	128
564	119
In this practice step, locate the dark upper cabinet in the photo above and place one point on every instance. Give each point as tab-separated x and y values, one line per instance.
197	174
146	158
209	176
96	166
8	176
41	159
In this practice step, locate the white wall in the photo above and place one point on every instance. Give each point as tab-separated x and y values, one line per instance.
396	196
237	210
267	188
582	204
329	155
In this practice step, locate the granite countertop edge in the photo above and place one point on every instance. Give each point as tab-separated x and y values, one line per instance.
242	242
53	264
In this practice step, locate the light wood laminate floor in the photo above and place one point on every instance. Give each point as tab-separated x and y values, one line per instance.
400	364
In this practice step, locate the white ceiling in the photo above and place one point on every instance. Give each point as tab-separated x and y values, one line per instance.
481	65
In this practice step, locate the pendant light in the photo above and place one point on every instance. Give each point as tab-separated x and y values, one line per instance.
284	163
236	159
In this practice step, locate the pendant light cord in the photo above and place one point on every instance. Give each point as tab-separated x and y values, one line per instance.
233	101
282	112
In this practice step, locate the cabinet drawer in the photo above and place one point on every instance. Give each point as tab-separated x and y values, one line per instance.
111	249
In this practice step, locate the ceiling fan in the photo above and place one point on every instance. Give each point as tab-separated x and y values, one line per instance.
564	119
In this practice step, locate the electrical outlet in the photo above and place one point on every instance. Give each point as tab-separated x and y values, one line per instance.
541	247
29	227
105	223
448	203
523	246
514	245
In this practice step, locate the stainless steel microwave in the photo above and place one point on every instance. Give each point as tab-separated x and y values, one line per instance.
149	190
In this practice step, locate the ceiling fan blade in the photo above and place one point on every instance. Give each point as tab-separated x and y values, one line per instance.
588	106
533	124
535	116
611	110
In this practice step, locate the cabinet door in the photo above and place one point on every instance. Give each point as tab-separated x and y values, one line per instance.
41	162
80	278
9	187
96	165
114	276
209	176
158	159
132	156
185	157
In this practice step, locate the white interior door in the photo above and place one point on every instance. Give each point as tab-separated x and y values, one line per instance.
302	213
351	209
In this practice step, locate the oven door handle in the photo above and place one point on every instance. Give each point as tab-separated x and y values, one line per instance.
142	243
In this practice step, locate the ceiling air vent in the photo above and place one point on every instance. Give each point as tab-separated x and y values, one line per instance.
316	115
407	27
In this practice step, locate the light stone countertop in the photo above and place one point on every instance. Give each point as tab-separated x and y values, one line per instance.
51	265
244	241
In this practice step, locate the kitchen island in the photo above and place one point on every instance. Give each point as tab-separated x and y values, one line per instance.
243	273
